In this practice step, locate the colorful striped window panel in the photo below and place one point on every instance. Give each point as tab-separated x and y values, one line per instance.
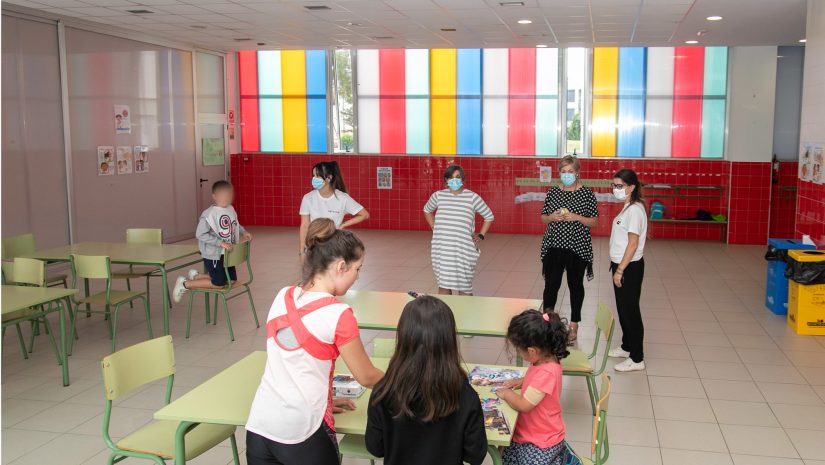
458	101
283	100
659	102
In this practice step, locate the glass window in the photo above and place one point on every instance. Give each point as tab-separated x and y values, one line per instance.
343	121
576	74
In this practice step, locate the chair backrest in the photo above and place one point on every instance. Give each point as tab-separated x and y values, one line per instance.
14	246
29	271
600	449
604	320
137	365
8	272
236	256
144	236
91	266
383	347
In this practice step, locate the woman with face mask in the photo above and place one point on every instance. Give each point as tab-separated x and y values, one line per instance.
451	214
569	212
328	199
627	245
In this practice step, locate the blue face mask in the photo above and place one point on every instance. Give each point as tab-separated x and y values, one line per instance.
317	183
568	179
455	183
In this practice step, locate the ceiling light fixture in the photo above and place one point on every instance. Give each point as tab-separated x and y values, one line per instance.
242	39
197	26
714	18
448	29
140	12
261	43
691	42
525	21
802	41
511	3
317	7
541	46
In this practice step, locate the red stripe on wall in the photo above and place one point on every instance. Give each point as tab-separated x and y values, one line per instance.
688	81
522	104
248	86
392	106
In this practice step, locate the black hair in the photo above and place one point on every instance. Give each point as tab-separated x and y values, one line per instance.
425	375
330	169
220	185
325	244
630	178
530	329
448	174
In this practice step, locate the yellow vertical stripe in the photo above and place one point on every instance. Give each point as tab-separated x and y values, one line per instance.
605	90
443	104
294	85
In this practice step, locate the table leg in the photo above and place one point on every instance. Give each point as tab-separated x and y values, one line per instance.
495	455
64	309
165	285
180	441
86	288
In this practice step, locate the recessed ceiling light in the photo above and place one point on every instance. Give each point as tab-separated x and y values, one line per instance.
691	42
317	7
802	41
242	39
140	12
354	24
714	18
197	26
541	46
448	29
525	21
511	3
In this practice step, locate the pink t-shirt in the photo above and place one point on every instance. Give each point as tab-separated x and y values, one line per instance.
543	426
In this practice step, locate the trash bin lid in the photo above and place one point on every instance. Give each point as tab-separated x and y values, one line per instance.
789	244
808	255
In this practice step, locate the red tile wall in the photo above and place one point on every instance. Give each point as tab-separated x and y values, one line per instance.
810	216
783	201
269	189
750	196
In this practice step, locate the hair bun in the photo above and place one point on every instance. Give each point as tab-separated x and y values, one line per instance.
319	231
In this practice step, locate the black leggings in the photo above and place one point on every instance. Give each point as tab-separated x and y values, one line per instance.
555	262
627	306
319	449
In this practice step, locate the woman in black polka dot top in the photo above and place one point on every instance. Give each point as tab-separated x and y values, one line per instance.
569	212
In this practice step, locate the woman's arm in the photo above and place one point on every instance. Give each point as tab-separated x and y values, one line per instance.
359	363
629	251
302	234
359	217
430	219
552	218
485	227
587	221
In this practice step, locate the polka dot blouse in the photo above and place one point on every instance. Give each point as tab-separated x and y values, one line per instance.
571	235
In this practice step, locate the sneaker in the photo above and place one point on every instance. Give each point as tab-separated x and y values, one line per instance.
629	365
618	352
179	290
193	274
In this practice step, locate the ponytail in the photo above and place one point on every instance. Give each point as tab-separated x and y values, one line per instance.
325	244
631	179
330	169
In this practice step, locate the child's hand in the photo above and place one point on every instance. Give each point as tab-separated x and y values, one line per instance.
247	236
226	246
342	405
503	392
513	383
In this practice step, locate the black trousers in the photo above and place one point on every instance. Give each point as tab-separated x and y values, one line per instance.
554	264
627	306
319	449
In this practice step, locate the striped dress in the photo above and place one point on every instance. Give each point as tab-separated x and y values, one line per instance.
454	254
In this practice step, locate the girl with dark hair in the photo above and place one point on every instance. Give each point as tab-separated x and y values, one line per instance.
328	199
627	244
290	422
538	439
424	410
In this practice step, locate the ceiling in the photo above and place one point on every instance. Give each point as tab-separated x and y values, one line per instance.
249	24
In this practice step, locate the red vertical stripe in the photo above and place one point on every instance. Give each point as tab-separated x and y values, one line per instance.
392	105
522	104
248	83
688	81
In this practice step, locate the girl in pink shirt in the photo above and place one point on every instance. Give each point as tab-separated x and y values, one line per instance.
541	340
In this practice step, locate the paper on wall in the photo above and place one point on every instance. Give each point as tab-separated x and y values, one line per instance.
124	159
123	119
105	160
141	159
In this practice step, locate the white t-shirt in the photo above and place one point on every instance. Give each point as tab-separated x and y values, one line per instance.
632	219
334	207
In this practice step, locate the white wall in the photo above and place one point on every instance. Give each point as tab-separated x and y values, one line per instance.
752	93
812	124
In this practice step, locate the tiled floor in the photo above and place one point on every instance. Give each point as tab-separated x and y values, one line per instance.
727	382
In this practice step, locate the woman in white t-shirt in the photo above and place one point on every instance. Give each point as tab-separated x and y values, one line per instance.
290	421
328	199
627	244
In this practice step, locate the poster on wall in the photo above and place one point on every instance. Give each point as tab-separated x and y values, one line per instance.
141	159
817	174
384	176
545	174
124	159
105	160
805	162
123	121
212	151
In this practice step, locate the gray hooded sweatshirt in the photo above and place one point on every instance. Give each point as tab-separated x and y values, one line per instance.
217	225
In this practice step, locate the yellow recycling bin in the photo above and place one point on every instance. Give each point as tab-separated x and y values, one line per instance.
806	302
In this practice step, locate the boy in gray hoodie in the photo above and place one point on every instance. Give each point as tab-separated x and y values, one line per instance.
218	230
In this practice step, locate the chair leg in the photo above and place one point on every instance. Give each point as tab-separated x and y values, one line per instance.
215	312
35	330
20	340
148	316
48	328
189	314
147	292
228	321
234	444
73	327
252	305
107	317
113	322
591	390
206	300
129	288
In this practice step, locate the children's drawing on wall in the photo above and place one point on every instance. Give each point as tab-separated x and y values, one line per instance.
123	121
124	159
384	176
105	160
805	167
818	164
141	159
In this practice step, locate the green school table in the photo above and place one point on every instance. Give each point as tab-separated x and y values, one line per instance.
226	399
158	256
18	298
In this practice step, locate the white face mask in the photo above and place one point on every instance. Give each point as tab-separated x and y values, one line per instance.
620	194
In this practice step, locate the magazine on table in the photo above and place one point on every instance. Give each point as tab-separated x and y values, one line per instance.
346	386
493	377
494	419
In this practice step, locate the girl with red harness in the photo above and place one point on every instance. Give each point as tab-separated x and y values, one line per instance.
290	421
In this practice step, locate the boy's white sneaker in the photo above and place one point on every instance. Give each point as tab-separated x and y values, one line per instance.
629	365
618	352
179	290
193	274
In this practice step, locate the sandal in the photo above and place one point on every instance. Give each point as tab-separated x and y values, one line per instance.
572	333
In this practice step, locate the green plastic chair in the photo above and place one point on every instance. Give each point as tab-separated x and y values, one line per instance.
600	449
236	257
579	363
140	236
354	447
23	244
383	347
100	267
138	365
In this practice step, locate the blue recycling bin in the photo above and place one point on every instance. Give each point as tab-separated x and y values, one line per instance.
776	289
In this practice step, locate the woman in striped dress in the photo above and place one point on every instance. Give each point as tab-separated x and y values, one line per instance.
455	243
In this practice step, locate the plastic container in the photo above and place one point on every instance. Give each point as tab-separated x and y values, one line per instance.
776	289
806	302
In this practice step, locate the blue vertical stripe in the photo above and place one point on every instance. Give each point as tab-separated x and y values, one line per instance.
316	70
632	72
468	88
